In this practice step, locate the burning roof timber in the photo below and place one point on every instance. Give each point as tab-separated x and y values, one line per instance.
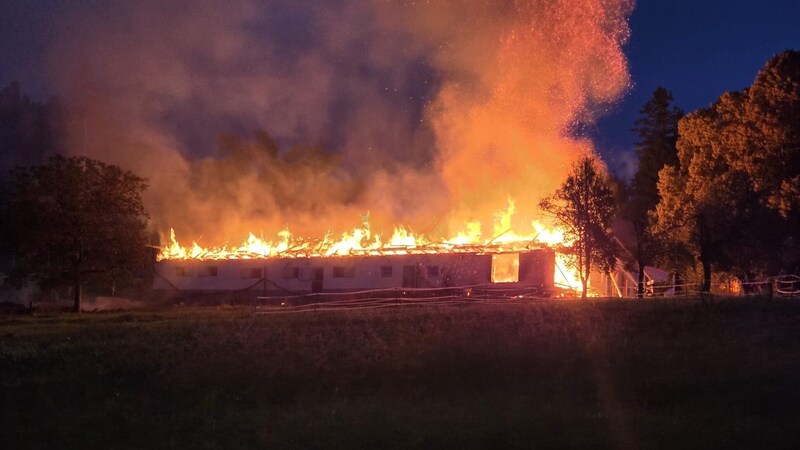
255	248
361	241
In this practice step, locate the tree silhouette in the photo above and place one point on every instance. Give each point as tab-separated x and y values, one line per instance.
29	131
657	129
74	220
584	206
733	201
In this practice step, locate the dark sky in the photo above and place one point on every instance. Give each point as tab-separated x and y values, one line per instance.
26	33
697	49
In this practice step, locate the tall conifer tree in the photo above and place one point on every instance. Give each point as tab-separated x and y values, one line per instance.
657	131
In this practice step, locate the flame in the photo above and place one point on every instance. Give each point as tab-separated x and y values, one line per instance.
361	241
471	235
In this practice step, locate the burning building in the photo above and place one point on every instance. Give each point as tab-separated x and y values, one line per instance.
359	260
533	268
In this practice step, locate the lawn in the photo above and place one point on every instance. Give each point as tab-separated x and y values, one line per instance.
551	374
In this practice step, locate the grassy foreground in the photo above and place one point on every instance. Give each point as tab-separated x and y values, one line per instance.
649	374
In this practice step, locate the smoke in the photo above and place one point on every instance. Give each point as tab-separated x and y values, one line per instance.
521	75
425	113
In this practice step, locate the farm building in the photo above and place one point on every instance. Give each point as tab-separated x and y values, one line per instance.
302	275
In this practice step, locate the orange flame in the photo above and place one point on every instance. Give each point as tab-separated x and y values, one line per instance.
361	241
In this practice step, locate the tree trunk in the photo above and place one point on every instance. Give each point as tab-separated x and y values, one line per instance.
705	241
587	268
706	275
77	259
584	282
76	305
640	286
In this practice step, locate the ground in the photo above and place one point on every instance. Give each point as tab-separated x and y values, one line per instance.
546	374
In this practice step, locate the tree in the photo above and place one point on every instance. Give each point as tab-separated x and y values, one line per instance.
731	202
76	220
657	129
584	206
770	152
769	141
656	147
29	131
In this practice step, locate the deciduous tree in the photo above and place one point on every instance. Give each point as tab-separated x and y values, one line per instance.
584	206
768	135
733	201
73	220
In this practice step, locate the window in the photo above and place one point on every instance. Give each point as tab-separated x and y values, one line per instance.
290	272
344	272
433	271
181	272
252	272
386	271
505	268
207	271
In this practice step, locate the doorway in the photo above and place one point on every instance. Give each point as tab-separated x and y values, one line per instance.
409	276
317	276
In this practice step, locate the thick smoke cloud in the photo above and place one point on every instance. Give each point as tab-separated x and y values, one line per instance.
431	113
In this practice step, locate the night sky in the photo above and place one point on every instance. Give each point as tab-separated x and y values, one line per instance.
697	49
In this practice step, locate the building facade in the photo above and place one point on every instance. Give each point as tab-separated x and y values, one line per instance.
282	276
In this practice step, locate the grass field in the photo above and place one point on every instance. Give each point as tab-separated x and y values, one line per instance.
556	374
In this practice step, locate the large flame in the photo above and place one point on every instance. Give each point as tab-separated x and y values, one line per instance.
360	241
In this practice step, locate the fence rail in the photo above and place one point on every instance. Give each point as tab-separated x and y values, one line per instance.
394	297
779	286
787	286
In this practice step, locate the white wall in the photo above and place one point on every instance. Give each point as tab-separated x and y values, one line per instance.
536	268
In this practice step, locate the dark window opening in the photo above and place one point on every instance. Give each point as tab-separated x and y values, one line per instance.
181	272
208	271
344	272
290	272
386	271
252	272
